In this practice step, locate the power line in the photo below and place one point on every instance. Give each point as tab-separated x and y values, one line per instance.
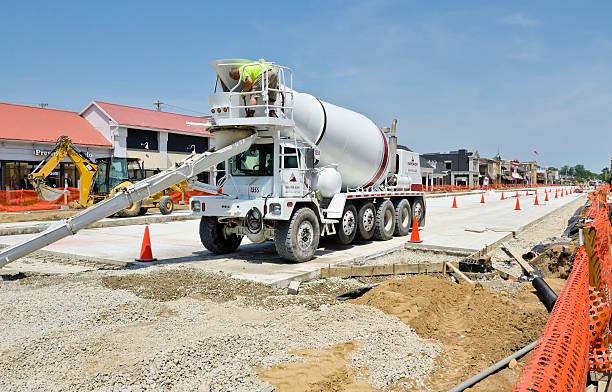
185	109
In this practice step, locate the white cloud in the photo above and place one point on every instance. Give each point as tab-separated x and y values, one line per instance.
520	19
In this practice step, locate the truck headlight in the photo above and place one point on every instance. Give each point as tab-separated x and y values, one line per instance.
275	209
196	206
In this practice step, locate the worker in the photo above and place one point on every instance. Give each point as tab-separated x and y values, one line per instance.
25	183
251	75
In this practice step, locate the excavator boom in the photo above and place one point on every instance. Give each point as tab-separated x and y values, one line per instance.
139	191
86	168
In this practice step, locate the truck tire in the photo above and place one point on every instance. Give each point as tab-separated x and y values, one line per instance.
133	210
418	209
214	238
385	221
366	221
347	227
166	205
403	217
298	239
143	211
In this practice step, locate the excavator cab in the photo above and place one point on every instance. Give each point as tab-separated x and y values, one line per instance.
113	172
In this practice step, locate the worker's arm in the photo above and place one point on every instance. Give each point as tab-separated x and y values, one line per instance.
247	84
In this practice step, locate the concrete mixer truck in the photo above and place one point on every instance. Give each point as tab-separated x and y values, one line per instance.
318	170
295	169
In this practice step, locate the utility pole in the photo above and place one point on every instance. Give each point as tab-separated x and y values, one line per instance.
158	105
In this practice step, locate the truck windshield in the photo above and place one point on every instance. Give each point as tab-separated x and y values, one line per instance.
256	161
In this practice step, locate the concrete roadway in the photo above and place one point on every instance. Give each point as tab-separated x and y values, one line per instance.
469	227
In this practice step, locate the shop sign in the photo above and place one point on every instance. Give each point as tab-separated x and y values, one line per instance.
43	153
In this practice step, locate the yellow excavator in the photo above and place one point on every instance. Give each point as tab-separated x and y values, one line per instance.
99	180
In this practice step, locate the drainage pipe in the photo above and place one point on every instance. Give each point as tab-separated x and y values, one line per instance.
544	293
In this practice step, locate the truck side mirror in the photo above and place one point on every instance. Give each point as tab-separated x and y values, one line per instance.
310	158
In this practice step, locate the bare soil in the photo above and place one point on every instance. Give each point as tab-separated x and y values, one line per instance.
474	325
325	370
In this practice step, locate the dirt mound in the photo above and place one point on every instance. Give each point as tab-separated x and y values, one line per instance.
477	327
556	260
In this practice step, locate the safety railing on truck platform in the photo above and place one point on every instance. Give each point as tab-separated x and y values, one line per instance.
283	90
577	336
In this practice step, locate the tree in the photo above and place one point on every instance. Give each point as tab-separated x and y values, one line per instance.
564	170
605	174
580	171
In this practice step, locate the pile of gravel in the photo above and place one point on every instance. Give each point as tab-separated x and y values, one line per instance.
76	334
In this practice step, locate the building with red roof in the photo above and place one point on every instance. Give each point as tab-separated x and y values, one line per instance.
159	138
28	134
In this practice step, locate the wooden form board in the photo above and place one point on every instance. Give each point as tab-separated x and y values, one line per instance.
386	269
519	258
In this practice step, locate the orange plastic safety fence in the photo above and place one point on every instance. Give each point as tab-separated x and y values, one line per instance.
28	200
178	197
577	335
560	360
458	188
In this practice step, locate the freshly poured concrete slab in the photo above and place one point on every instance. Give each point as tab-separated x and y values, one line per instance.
179	243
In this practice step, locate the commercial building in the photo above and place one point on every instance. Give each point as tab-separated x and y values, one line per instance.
28	134
461	167
159	138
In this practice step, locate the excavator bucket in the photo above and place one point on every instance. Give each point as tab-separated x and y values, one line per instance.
47	193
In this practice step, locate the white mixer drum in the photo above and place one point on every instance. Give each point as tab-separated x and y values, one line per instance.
345	138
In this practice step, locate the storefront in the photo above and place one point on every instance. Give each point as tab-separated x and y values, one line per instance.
28	135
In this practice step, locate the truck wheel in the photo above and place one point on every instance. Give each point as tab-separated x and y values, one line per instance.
366	220
143	211
385	221
166	205
131	211
403	218
298	239
418	209
347	227
215	239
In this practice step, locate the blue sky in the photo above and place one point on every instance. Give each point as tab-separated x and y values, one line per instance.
509	76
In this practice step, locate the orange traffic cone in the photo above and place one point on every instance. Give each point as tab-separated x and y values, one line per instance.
517	195
414	237
535	202
556	193
503	198
526	193
517	206
482	198
546	194
146	254
454	202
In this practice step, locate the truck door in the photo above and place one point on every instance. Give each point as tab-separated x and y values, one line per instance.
292	178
